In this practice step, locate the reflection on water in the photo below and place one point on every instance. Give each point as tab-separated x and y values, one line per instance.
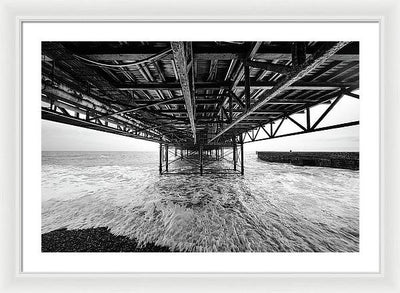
274	207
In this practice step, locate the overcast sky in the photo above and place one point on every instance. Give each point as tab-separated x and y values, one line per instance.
62	137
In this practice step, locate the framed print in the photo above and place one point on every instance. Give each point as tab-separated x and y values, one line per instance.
210	151
193	186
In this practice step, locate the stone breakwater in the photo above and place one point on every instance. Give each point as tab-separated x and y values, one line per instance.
342	160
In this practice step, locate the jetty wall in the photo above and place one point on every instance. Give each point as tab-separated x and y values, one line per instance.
343	160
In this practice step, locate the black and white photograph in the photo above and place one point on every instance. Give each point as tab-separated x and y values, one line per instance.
207	146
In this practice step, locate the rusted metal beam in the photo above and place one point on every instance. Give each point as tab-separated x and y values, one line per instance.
319	58
181	62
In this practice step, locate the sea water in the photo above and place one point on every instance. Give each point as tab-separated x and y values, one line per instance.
274	207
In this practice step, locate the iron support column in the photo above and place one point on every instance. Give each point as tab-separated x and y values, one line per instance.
160	155
241	157
234	157
166	158
201	160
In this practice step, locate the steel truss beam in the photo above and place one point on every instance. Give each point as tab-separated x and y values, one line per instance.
213	85
302	70
157	103
54	115
308	128
183	57
341	125
98	111
209	56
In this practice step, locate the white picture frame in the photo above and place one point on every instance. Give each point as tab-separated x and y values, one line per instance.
12	279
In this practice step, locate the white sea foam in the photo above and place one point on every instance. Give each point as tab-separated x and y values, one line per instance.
274	207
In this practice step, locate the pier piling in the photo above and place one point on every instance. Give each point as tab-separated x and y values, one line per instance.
160	157
201	160
166	158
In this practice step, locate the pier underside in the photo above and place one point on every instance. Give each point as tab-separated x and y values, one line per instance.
201	101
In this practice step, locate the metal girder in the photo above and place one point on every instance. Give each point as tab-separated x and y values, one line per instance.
350	94
327	111
209	111
209	56
305	129
243	70
130	101
296	75
66	98
52	115
182	65
298	53
157	103
239	101
252	52
297	123
341	125
204	85
247	86
269	66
